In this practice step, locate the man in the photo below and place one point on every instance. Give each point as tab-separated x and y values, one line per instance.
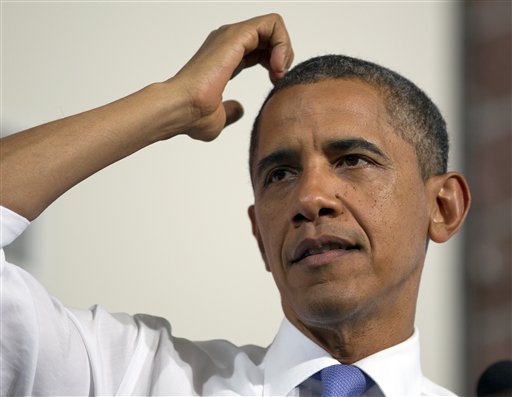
348	163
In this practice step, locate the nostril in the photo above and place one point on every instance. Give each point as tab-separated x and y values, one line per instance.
326	212
299	218
323	212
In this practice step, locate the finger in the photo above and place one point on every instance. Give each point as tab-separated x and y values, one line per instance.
259	57
277	70
273	31
254	58
241	66
270	46
234	111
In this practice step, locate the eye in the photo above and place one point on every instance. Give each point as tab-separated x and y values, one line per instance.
353	161
278	175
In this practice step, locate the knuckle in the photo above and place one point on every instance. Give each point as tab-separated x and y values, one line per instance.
276	16
223	28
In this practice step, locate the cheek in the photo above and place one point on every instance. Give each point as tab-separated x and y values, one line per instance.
393	217
272	221
402	231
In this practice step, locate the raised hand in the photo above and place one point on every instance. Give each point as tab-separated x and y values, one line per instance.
227	50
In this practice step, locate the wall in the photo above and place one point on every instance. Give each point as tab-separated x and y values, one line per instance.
165	231
488	129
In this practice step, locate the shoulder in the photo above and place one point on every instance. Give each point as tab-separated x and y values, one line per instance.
154	332
146	349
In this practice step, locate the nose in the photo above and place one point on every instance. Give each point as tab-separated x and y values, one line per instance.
316	197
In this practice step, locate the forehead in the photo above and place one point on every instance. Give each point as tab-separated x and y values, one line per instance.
329	109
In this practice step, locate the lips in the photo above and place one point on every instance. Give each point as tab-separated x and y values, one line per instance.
320	246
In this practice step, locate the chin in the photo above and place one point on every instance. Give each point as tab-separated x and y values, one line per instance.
329	311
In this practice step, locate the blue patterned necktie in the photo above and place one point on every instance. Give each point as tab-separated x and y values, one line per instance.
342	381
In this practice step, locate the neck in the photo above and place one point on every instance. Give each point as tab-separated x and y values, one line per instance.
349	343
361	334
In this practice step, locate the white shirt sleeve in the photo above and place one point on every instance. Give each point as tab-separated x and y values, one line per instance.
39	342
12	226
48	349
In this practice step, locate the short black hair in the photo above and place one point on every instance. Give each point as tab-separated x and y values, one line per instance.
413	115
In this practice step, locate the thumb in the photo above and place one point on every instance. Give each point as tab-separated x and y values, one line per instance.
234	111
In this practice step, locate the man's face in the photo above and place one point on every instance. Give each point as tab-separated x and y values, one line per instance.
341	213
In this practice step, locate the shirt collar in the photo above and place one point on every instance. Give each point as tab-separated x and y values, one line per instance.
293	357
396	370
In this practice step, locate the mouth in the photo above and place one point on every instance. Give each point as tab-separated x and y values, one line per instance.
323	247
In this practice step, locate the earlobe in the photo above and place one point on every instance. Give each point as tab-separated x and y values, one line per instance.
256	233
451	200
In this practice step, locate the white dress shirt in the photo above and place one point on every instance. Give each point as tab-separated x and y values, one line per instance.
48	349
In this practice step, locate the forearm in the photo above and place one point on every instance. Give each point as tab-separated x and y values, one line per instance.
40	164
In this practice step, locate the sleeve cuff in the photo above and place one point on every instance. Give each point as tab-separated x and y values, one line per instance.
12	225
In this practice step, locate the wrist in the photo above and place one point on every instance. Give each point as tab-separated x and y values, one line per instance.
173	112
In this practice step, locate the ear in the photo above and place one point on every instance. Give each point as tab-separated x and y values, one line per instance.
256	233
450	198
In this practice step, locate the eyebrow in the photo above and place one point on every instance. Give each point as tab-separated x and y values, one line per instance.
341	145
278	157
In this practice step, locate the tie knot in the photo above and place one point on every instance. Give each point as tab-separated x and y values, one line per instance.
342	381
